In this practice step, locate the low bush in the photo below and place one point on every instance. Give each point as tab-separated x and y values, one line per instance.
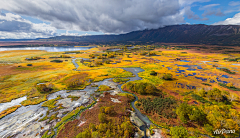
57	61
51	103
103	88
73	98
227	71
120	80
153	73
65	56
43	88
167	76
161	106
140	87
77	80
229	86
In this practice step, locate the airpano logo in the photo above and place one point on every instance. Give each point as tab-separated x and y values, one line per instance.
223	131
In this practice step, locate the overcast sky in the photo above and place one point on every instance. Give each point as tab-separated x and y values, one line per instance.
45	18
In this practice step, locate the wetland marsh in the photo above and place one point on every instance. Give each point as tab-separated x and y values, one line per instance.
86	91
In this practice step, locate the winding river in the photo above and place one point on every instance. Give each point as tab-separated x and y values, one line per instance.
135	72
24	121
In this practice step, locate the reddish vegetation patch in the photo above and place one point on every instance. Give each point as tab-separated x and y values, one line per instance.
72	128
11	70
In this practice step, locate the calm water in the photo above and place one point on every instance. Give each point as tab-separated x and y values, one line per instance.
49	49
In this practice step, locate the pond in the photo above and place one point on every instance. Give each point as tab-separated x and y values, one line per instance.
49	49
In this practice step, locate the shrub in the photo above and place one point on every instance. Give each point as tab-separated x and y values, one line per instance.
229	86
153	73
140	87
109	110
51	103
57	61
167	76
92	56
152	53
102	117
76	80
33	58
29	64
103	88
143	53
98	63
107	61
227	71
73	98
65	56
43	88
161	106
178	132
193	113
120	80
110	55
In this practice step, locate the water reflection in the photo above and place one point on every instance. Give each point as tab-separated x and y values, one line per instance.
49	49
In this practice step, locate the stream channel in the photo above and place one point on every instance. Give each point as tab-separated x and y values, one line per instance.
24	122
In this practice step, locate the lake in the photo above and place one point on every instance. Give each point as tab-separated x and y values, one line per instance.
49	49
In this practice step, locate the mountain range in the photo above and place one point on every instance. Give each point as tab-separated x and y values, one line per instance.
192	34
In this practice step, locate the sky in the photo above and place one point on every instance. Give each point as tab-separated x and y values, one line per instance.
30	19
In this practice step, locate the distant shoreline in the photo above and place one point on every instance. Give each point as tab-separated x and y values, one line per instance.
22	46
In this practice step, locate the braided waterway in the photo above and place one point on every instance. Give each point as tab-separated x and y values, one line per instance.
24	122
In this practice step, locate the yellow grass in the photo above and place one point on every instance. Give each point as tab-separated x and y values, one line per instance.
9	111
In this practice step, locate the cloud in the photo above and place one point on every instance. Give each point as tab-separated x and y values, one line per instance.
235	20
210	10
190	2
216	12
208	6
14	26
108	16
234	3
191	15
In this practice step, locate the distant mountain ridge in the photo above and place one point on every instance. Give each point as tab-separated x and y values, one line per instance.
193	34
196	34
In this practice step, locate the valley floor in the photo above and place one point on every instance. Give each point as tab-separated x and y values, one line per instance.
162	90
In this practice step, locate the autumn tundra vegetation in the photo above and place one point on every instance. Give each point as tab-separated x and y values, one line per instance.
184	90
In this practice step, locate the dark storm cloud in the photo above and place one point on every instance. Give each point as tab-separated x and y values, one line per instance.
109	16
14	26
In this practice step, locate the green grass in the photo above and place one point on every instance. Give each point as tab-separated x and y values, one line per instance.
227	71
230	88
153	79
73	98
120	80
200	99
45	135
51	103
103	88
70	115
57	61
206	84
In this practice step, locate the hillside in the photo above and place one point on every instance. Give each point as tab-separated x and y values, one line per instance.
197	34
